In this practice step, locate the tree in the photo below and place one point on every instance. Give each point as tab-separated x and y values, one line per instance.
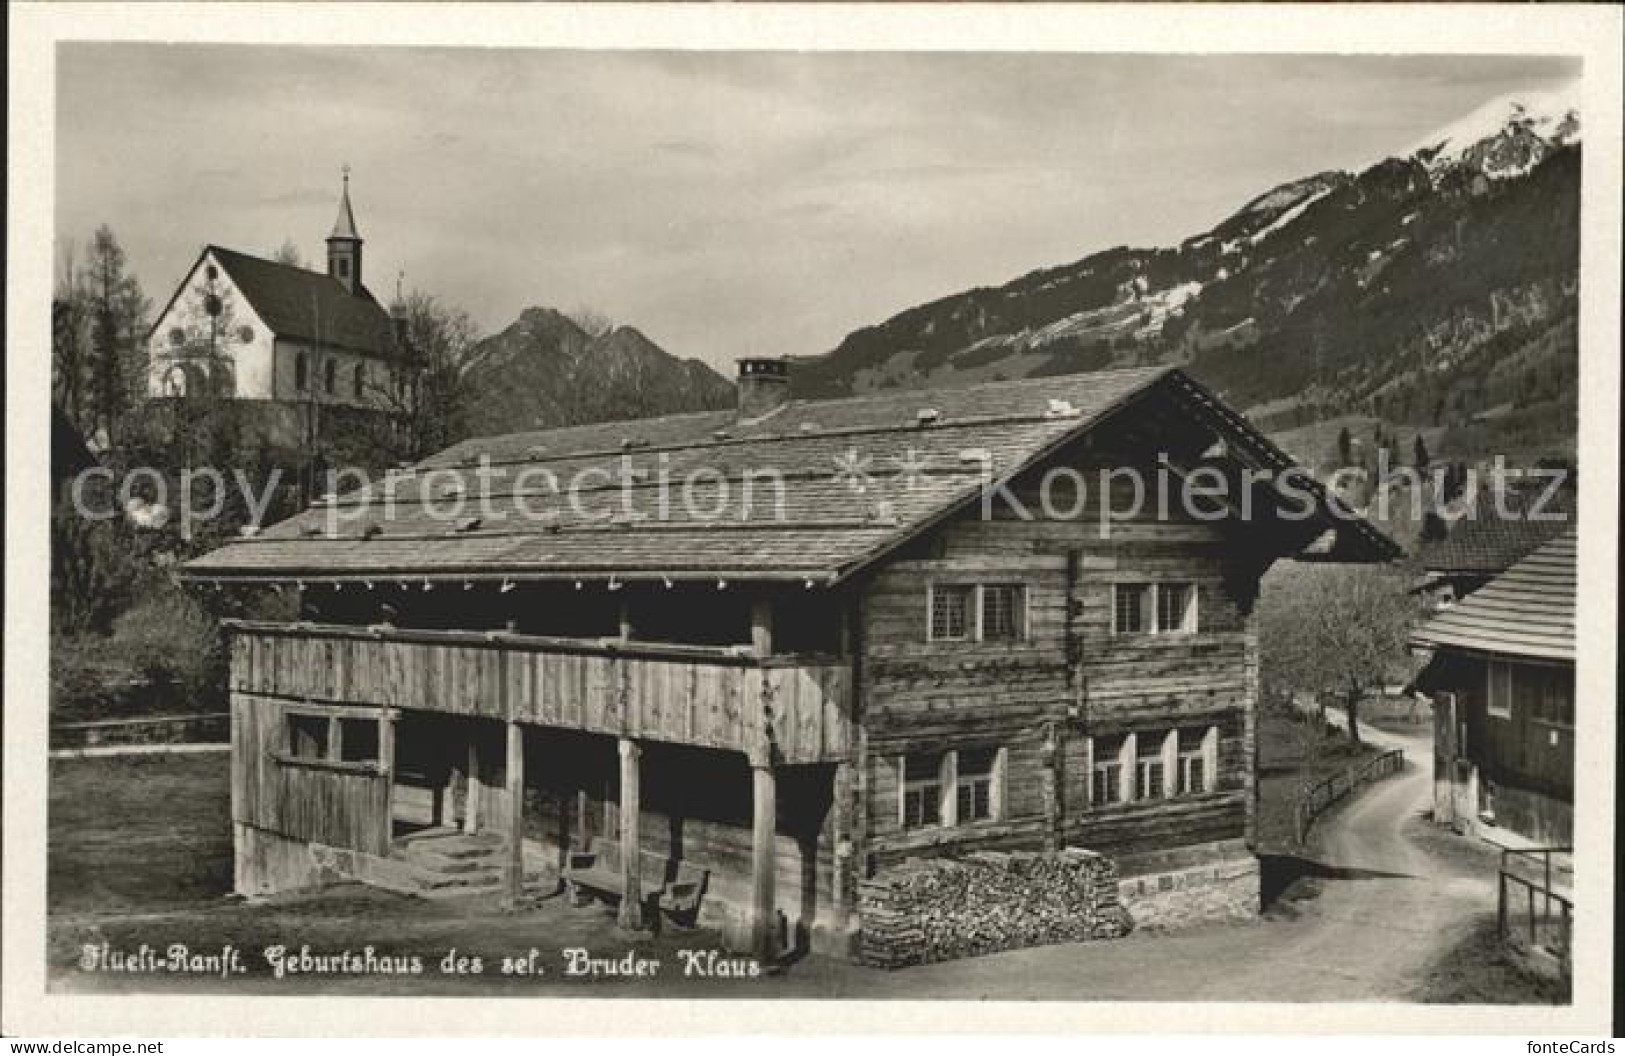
288	253
1345	447
112	303
425	400
1339	630
1419	450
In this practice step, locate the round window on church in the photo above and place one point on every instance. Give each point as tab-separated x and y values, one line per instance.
177	336
245	334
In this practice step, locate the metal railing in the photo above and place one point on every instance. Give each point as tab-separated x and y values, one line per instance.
1319	797
1547	917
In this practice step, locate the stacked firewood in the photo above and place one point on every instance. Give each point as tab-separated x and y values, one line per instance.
939	909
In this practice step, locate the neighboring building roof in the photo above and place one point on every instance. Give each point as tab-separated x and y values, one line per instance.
825	528
306	305
1527	611
1495	535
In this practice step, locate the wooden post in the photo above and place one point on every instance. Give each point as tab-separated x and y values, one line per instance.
471	800
761	625
386	764
513	879
626	618
763	916
631	916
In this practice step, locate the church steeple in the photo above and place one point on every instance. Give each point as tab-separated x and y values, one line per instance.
344	244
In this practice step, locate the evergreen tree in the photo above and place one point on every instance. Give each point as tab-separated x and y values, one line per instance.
111	301
1345	445
1419	450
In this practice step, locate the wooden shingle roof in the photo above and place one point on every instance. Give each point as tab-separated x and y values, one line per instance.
1501	530
812	490
1527	611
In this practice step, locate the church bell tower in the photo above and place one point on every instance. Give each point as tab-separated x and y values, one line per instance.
344	244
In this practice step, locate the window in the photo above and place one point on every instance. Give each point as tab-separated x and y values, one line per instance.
358	740
333	738
1130	610
307	736
1150	771
1194	768
1556	696
946	789
1498	699
301	371
177	336
1003	612
995	612
922	791
330	379
1106	785
950	613
1173	607
360	379
342	266
974	784
1160	608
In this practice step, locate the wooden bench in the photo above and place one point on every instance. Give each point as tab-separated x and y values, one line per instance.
677	885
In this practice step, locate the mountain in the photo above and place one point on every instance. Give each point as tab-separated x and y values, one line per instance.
1435	290
544	370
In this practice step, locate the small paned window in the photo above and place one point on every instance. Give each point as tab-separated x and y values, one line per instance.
950	613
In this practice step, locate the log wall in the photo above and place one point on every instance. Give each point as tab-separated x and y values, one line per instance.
1071	678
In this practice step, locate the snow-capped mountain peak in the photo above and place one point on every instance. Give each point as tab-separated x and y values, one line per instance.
1505	137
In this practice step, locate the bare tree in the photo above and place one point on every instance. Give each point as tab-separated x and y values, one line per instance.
424	398
1338	629
288	253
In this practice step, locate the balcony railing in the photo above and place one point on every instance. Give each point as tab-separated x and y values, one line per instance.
794	709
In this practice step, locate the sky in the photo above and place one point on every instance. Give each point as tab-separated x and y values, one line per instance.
726	204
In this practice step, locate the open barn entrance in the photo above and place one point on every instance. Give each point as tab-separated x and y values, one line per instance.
443	772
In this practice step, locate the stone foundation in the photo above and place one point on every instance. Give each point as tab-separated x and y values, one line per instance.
940	909
1209	885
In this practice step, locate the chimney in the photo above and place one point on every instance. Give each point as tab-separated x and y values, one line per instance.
764	386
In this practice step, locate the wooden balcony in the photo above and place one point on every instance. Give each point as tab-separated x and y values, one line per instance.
786	709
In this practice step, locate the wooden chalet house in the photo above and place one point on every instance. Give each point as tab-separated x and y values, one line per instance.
1502	680
772	700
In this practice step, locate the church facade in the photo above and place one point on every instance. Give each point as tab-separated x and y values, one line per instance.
243	327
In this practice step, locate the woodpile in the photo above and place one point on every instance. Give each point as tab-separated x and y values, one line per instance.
938	909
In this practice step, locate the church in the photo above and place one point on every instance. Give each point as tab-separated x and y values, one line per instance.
242	327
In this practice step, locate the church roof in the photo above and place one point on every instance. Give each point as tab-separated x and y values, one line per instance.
845	498
1527	611
309	305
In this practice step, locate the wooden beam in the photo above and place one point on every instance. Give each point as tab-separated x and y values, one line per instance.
763	915
631	915
513	872
761	625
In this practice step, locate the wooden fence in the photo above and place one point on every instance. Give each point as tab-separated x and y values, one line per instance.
1323	794
207	728
1528	908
